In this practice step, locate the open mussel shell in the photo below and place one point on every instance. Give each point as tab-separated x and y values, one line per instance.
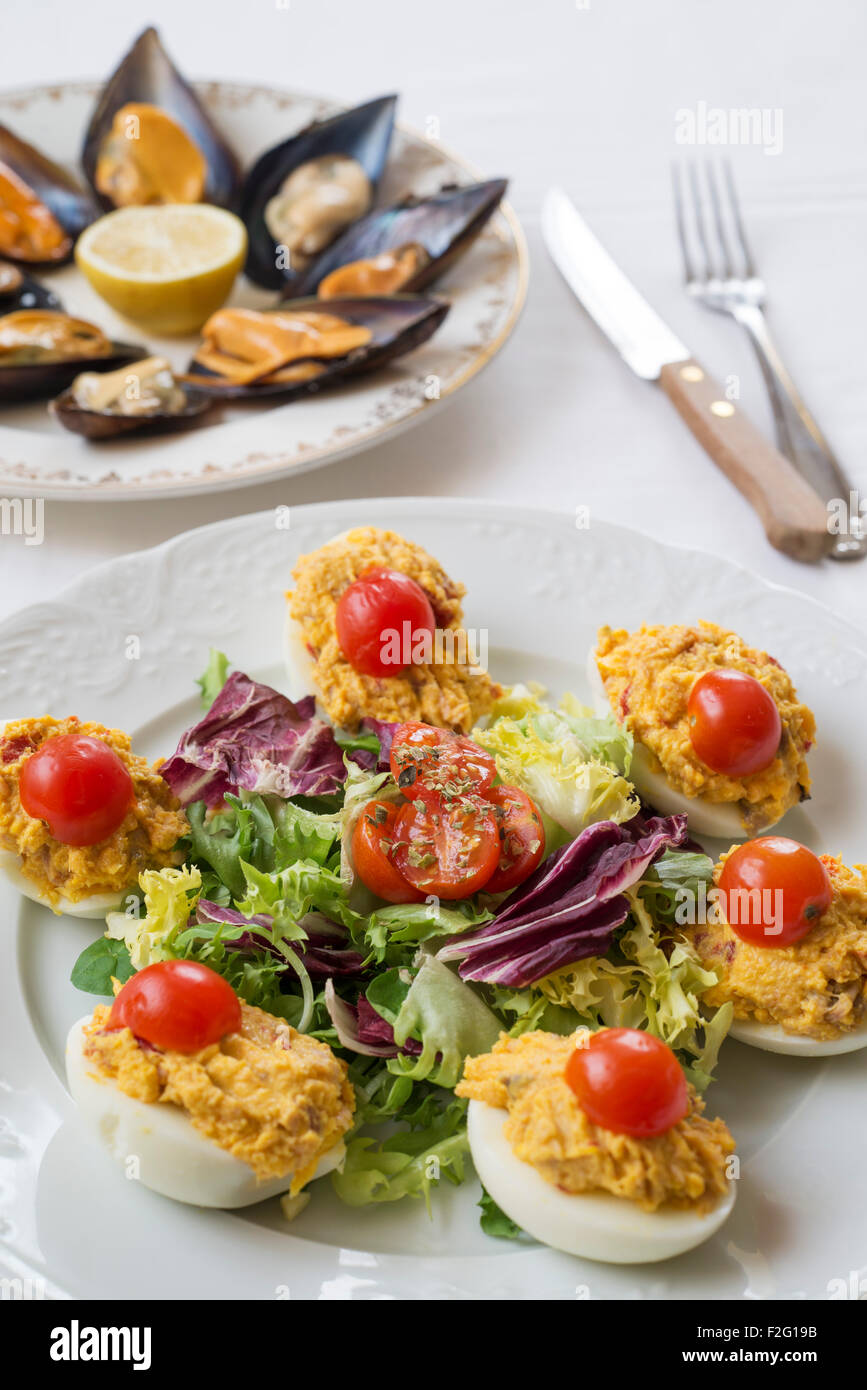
444	225
98	424
70	204
147	74
398	323
364	133
20	291
42	380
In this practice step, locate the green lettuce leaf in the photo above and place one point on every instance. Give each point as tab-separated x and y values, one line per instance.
213	678
495	1222
170	895
441	1012
572	762
243	833
98	964
406	1164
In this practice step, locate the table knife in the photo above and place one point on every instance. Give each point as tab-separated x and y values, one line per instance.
794	517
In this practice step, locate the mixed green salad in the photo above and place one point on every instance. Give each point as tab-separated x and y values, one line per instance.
268	896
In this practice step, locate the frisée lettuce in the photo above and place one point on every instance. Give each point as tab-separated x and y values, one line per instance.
574	764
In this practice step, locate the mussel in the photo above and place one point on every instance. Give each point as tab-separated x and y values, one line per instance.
302	194
140	397
150	139
42	351
403	248
20	291
305	345
42	207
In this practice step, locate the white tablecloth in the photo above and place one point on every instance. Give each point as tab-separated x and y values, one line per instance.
586	95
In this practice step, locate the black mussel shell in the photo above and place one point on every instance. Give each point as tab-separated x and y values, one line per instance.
71	204
96	425
26	293
41	380
364	133
398	323
445	225
147	74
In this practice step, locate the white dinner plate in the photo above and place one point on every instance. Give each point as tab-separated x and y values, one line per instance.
540	586
254	444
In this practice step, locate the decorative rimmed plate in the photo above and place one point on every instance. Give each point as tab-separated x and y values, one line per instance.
254	444
540	587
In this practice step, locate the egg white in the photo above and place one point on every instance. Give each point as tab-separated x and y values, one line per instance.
594	1226
173	1158
718	818
770	1037
95	907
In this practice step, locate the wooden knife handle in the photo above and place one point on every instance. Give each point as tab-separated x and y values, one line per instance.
794	516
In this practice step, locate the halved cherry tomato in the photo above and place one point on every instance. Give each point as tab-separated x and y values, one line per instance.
522	837
448	849
78	786
734	724
774	891
178	1005
429	763
629	1082
372	841
382	602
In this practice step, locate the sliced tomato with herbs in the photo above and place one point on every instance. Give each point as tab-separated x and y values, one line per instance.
429	764
383	615
372	843
178	1006
446	849
734	723
629	1082
78	786
774	891
522	837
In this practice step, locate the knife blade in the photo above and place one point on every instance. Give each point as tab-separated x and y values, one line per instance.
794	516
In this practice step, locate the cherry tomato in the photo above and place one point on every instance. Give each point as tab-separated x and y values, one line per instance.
78	786
775	891
629	1082
446	849
734	724
379	603
522	837
372	841
178	1005
429	763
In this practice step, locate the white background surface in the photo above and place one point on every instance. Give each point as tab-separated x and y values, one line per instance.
547	92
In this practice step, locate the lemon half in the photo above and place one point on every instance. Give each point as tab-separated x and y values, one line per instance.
168	267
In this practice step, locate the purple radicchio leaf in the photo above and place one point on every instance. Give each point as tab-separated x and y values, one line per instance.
254	737
322	954
361	1029
569	908
384	731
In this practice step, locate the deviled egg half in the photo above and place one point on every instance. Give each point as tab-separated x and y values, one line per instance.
80	814
202	1098
787	938
597	1145
719	731
373	626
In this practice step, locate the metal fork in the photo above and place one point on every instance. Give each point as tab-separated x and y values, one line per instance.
729	283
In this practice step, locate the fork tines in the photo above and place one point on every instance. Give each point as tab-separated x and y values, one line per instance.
709	222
